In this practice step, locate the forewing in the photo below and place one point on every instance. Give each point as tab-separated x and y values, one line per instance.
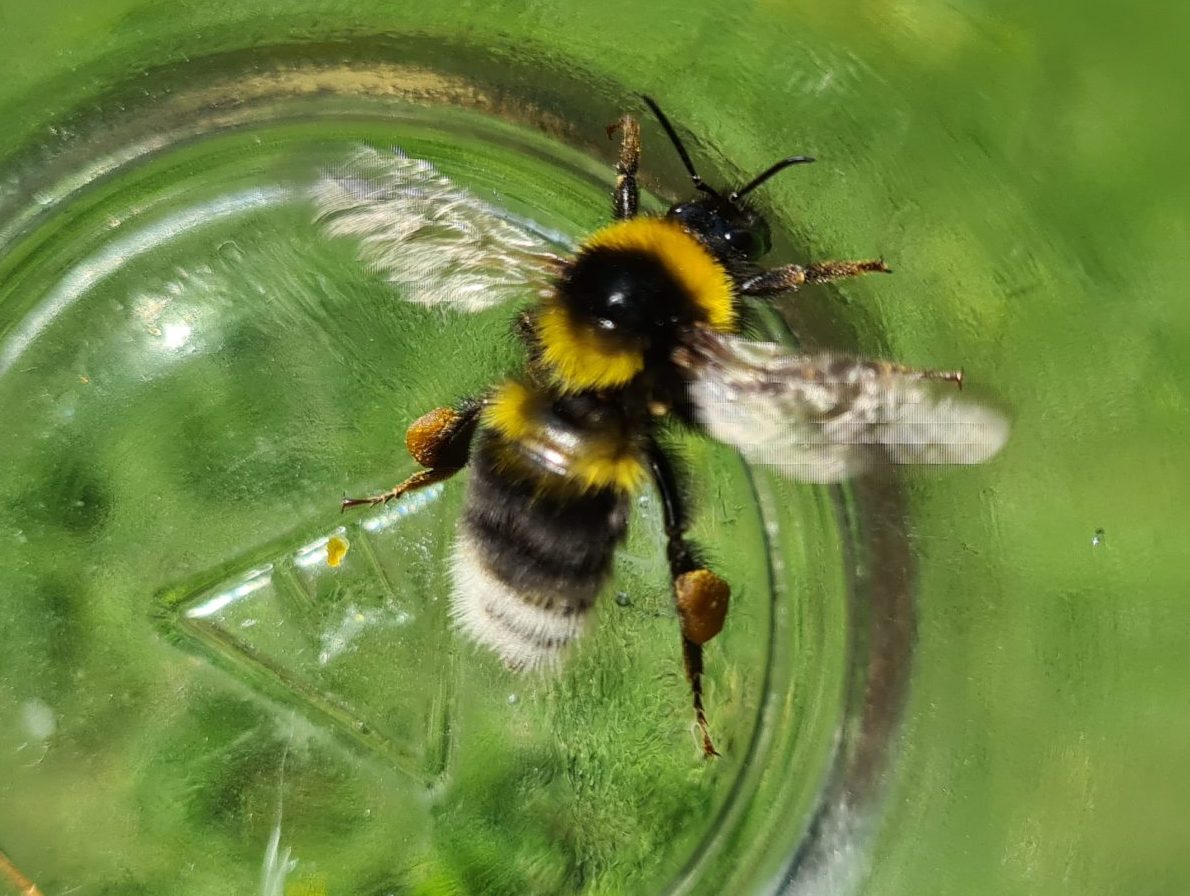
824	417
437	243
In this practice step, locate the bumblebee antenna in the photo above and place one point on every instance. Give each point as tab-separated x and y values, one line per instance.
673	137
766	174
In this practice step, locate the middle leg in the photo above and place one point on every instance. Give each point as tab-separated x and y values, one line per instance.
791	276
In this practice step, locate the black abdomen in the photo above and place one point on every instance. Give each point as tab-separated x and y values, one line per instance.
531	556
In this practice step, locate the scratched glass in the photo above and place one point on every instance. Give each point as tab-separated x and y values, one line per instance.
959	681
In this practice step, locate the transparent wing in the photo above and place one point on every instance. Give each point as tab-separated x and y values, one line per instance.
437	243
823	417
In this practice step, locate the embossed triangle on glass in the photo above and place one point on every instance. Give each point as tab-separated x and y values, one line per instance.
363	645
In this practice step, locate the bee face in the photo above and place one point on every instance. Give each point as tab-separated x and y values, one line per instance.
731	230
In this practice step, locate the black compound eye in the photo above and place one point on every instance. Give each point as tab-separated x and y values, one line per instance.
741	241
751	242
726	228
694	217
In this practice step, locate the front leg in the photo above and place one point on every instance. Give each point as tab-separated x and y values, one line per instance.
791	276
626	198
440	441
701	597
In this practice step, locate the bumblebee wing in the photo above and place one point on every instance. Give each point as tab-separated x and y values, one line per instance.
437	243
824	417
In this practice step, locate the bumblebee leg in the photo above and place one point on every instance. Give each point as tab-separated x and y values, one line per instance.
440	441
626	197
701	597
791	276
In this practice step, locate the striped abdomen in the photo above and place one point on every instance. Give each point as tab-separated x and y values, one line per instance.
546	508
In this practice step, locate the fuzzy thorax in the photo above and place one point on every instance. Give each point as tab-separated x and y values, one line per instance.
650	269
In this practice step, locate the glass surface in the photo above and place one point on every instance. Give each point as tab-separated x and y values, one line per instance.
944	681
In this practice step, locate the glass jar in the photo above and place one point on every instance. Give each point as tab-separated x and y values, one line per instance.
949	681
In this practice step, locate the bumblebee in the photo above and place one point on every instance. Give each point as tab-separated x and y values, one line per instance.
638	330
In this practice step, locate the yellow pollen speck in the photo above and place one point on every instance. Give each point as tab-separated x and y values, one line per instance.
336	550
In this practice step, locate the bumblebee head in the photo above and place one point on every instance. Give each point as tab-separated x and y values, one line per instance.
730	228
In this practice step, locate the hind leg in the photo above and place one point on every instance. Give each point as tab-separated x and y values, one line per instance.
701	597
440	441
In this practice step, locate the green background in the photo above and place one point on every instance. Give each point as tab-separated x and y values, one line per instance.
1022	169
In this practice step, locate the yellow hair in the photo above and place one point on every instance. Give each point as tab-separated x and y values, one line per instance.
688	261
513	411
598	461
580	357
